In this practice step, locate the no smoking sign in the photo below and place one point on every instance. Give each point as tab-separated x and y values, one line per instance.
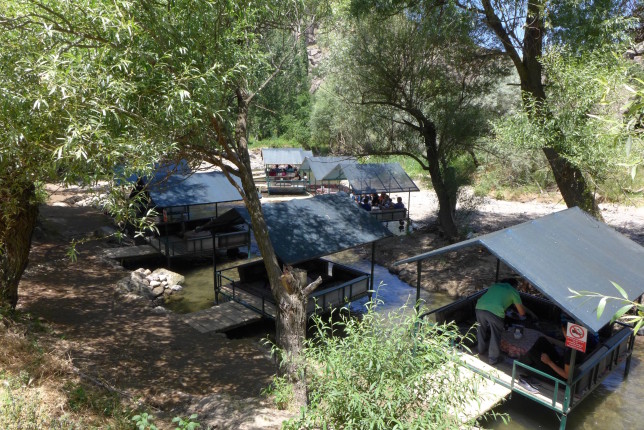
576	337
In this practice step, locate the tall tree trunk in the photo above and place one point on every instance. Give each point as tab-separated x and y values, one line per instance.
445	203
290	293
570	180
16	228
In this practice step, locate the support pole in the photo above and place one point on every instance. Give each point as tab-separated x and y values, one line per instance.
418	274
568	399
167	245
408	208
498	267
214	267
627	365
373	257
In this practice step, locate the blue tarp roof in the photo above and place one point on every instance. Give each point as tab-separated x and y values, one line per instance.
378	178
326	168
304	229
284	156
190	190
562	251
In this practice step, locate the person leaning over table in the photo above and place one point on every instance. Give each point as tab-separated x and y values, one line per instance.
490	314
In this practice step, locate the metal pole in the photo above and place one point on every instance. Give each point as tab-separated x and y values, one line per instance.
408	208
214	267
373	257
627	366
498	266
167	246
418	274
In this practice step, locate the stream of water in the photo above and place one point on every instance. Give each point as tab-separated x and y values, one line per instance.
616	404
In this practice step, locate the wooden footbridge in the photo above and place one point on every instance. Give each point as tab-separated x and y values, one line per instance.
221	318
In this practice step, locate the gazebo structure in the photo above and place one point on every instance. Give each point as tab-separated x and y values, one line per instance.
325	173
559	253
185	200
303	231
281	166
365	179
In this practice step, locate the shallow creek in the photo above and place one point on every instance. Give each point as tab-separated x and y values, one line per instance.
616	404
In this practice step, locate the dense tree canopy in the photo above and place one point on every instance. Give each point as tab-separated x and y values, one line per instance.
413	81
92	85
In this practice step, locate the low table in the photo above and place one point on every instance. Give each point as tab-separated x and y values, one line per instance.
516	348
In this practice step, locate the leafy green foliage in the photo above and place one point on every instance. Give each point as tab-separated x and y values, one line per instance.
281	391
144	421
187	423
631	312
383	372
581	88
282	109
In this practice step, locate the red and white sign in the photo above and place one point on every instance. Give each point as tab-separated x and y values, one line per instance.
576	337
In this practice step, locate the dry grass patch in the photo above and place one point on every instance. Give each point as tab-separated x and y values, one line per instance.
39	386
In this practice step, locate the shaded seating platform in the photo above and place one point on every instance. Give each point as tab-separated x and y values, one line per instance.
558	253
302	231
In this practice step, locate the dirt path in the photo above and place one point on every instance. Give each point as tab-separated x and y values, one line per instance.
119	340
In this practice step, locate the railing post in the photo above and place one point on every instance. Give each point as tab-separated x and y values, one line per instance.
418	276
627	365
373	256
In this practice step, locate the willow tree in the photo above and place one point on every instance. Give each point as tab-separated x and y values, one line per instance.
120	83
418	78
522	29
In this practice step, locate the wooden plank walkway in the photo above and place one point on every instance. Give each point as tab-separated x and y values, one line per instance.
221	318
251	300
501	375
129	252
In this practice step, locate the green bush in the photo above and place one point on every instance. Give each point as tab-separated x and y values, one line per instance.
383	372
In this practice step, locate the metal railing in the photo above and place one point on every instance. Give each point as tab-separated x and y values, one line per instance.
317	297
327	292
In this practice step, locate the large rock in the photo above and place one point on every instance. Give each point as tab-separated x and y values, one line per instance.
171	278
157	291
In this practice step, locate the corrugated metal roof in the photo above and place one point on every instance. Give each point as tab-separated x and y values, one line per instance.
161	171
378	178
326	168
304	229
567	250
284	156
190	190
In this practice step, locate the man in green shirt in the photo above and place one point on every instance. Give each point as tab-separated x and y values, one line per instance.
490	313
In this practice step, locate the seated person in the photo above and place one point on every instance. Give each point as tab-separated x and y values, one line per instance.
545	357
366	205
399	204
375	201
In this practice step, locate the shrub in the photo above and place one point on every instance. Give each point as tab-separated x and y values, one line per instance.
383	372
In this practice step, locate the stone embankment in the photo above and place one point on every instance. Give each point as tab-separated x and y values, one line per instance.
156	285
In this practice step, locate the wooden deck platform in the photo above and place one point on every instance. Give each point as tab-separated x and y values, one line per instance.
489	394
221	318
251	300
500	375
131	252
